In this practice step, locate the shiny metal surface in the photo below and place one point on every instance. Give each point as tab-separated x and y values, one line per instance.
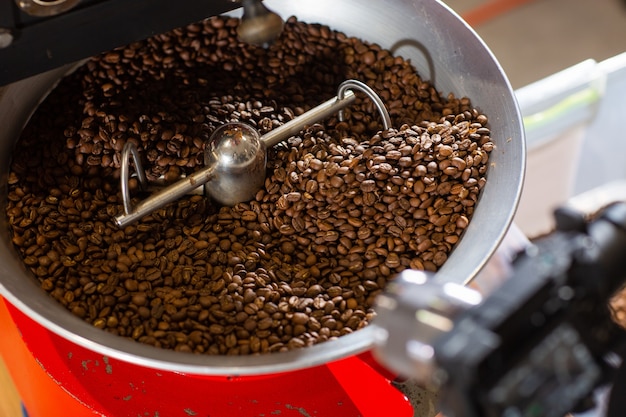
162	197
442	47
344	89
259	25
413	312
130	151
337	104
239	157
235	158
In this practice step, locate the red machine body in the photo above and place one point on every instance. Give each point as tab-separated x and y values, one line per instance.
58	378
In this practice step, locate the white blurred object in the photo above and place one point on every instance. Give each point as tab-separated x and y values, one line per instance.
603	151
557	111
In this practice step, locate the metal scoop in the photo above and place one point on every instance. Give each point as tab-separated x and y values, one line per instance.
258	25
235	158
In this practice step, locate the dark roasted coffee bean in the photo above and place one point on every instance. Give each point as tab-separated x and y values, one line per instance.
345	205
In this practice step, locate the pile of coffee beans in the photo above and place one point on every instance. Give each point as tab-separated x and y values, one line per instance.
346	205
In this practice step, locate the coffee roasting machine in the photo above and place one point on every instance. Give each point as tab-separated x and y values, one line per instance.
36	36
538	346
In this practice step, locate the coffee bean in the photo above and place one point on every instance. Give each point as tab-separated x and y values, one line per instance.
345	205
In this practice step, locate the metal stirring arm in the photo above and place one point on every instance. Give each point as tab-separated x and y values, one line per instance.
344	98
159	199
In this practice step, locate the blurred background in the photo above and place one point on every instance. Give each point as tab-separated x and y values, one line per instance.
536	38
566	61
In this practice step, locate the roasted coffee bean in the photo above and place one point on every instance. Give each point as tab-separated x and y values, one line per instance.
345	205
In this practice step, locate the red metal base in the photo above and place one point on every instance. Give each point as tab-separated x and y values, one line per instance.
109	387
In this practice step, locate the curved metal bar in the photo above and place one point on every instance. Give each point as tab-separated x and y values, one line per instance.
344	97
158	199
130	150
166	196
380	106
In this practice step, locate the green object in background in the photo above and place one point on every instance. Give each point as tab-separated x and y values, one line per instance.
583	98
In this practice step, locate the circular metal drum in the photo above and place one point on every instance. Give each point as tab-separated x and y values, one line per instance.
116	376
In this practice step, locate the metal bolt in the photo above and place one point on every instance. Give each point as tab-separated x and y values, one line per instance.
6	37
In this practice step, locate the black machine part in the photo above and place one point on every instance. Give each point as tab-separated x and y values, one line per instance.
541	343
537	346
33	41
